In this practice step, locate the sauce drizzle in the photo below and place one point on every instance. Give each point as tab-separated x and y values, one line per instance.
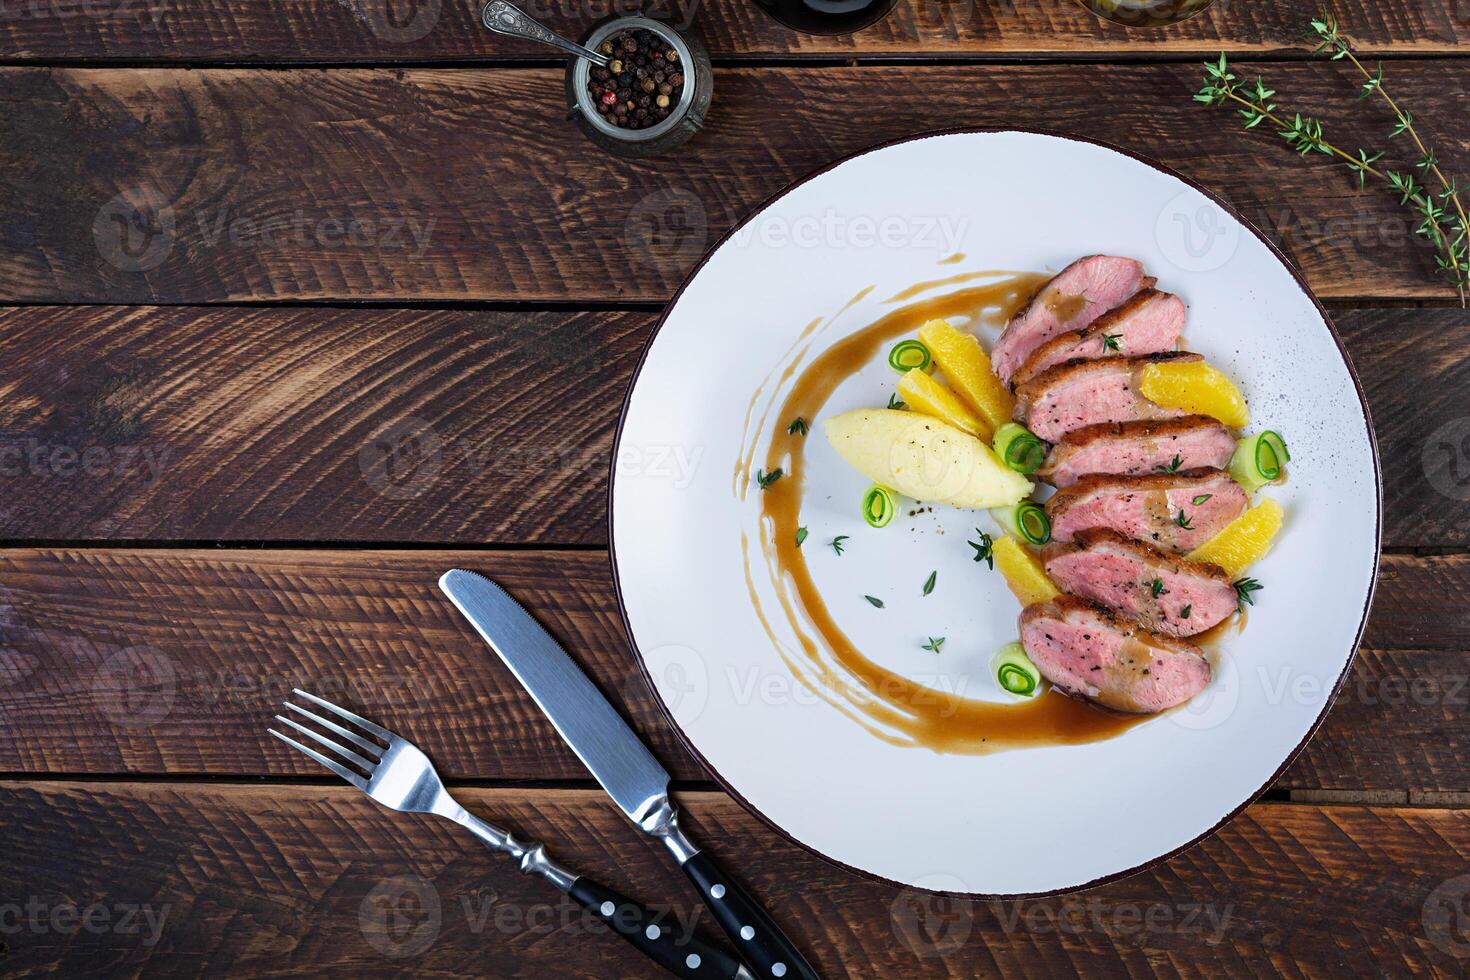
892	707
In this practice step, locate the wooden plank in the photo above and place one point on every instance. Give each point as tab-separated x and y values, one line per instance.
469	185
279	31
172	662
314	881
454	427
247	424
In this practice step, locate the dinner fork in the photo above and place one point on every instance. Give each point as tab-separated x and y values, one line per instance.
394	772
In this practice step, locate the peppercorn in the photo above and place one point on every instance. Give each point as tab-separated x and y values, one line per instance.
640	85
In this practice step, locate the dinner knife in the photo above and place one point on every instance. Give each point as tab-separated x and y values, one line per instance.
620	762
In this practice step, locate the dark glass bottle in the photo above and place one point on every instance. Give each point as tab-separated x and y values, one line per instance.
1145	13
827	16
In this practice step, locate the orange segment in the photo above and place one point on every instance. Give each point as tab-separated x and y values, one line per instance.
1023	572
967	369
929	397
1245	541
1197	388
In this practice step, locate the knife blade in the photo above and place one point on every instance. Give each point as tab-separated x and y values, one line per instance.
602	740
619	761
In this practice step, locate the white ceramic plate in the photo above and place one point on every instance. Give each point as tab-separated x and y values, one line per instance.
1010	823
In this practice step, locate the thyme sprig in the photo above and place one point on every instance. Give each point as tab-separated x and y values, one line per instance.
1253	102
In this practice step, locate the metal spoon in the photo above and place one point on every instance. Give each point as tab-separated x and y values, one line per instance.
505	18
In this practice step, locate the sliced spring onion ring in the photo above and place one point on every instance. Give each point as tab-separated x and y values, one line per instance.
910	355
879	506
1018	448
1259	460
1015	672
1027	521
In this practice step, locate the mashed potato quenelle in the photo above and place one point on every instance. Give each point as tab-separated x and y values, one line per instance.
924	458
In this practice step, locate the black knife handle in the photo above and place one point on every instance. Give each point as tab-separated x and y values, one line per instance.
686	956
758	941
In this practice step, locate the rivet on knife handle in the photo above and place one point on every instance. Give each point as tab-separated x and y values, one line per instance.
758	940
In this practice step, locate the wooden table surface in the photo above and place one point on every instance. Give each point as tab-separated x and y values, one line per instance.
306	302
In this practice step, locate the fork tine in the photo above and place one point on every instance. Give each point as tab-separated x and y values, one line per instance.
340	770
352	737
362	723
347	754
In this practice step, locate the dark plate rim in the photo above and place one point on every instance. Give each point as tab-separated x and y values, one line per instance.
715	773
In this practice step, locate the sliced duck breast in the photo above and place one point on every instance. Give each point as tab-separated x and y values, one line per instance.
1174	511
1160	592
1193	442
1148	322
1088	652
1082	393
1075	297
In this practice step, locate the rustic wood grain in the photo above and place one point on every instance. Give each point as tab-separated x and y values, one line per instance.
173	661
454	427
308	881
279	31
169	424
131	186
